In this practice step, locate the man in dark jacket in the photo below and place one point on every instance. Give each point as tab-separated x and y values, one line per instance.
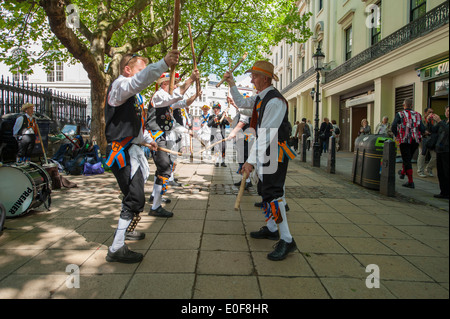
442	154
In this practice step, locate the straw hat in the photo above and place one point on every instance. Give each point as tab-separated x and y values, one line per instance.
27	106
166	77
265	68
205	107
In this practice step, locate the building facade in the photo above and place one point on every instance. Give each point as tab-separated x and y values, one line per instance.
377	53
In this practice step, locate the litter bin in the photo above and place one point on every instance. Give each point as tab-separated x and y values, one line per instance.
367	160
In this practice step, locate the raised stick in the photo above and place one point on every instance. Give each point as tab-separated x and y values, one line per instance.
241	191
232	70
197	82
176	22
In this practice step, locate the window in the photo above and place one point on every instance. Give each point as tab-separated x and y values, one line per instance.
303	65
281	53
348	43
320	5
56	73
375	30
17	77
281	82
418	9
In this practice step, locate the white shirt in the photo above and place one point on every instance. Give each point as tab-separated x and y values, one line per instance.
273	117
18	124
125	87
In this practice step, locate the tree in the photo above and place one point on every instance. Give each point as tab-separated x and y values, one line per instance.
98	33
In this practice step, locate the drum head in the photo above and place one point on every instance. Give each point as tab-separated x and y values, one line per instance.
16	191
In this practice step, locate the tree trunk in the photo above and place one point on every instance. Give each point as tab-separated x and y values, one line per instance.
98	98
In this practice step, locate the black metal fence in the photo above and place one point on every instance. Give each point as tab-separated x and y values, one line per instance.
59	107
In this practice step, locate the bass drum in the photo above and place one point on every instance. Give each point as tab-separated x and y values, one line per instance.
23	187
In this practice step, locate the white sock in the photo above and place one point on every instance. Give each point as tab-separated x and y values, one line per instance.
171	178
119	238
157	197
271	225
285	234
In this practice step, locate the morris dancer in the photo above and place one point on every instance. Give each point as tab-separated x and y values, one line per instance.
205	130
124	133
159	124
218	133
270	111
25	131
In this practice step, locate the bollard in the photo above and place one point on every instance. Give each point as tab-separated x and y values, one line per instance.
331	168
387	178
304	141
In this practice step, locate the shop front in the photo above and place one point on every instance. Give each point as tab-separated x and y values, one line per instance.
436	77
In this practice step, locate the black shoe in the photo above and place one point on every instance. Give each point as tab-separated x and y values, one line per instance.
160	212
174	183
238	183
134	235
248	185
402	176
282	249
286	207
259	204
265	233
223	165
164	200
124	255
216	165
409	185
441	196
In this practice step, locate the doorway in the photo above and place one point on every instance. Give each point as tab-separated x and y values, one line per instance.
358	114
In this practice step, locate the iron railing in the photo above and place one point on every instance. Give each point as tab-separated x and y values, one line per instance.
59	107
431	21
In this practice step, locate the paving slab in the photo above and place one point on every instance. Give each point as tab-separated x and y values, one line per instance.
205	250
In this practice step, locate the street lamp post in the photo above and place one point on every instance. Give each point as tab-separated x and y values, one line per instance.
318	59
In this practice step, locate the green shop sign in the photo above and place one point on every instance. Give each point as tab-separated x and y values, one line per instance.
434	70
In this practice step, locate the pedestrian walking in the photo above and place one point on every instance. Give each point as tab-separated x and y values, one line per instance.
408	130
325	131
426	145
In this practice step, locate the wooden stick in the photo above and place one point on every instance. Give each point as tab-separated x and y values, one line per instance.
241	191
176	22
232	70
162	149
197	82
42	144
211	146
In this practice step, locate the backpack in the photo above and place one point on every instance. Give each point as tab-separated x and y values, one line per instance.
93	169
75	166
337	131
306	130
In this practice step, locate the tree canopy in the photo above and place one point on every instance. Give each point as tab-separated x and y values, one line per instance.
98	33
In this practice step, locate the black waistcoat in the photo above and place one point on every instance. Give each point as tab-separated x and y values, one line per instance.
285	128
122	121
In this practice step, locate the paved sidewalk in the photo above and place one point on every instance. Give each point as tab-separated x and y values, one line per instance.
205	251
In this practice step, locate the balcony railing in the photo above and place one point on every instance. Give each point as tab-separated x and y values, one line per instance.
433	20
